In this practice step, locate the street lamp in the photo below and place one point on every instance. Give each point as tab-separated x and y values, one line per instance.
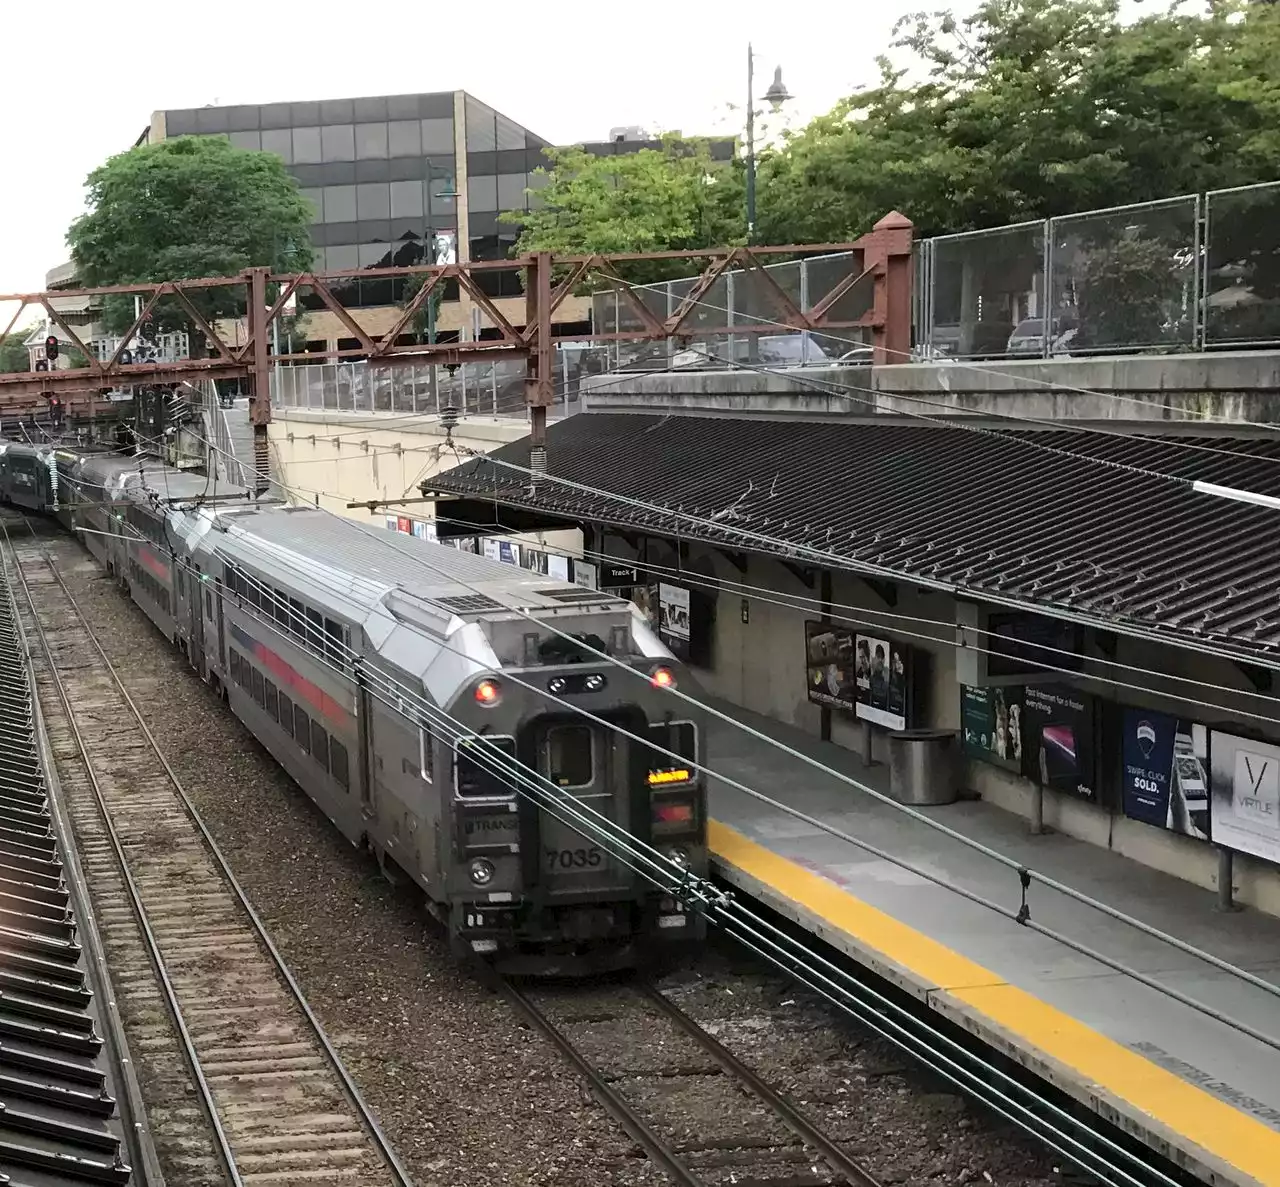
450	192
776	96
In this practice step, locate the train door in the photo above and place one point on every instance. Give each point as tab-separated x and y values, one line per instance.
200	608
590	764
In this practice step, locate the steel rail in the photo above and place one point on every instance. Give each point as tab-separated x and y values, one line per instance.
380	1140
800	1125
140	912
129	1102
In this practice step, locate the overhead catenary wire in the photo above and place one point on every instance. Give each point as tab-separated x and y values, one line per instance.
723	911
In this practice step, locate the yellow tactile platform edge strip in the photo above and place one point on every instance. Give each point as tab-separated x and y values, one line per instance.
1230	1136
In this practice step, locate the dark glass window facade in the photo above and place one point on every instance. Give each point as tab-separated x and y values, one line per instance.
379	173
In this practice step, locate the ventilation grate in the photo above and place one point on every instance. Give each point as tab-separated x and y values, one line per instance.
574	595
468	603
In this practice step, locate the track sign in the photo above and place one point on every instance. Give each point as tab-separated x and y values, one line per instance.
51	347
126	357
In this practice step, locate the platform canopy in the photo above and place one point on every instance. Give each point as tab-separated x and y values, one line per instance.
1101	526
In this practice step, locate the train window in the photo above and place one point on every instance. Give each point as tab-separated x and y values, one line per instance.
296	617
679	737
259	694
286	715
320	745
246	675
234	667
338	763
568	754
302	728
426	757
280	609
273	699
208	604
480	767
315	628
335	642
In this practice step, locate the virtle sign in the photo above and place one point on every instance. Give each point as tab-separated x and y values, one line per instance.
1245	795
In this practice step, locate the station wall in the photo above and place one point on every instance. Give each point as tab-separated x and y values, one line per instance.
759	664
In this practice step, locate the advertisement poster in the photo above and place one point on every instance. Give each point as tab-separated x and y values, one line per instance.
558	567
586	575
1245	795
1058	739
880	675
502	550
490	548
645	598
673	611
991	725
1165	776
829	666
392	522
404	524
534	560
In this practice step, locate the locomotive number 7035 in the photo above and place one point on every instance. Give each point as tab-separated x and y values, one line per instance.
572	859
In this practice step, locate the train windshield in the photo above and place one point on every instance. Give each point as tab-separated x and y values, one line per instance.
680	739
581	649
484	768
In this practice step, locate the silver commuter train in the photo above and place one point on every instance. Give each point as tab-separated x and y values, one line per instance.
309	625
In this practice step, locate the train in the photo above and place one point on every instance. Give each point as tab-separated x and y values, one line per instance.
424	698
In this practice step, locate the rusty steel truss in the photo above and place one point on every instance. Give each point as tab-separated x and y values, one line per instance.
879	274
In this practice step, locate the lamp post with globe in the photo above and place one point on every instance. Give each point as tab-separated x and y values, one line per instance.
775	96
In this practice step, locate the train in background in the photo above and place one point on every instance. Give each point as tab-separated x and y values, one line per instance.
311	626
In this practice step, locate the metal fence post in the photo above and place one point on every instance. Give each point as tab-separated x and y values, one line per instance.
804	306
1199	275
1050	300
493	375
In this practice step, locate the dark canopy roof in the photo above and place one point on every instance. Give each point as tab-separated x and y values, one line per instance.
1099	524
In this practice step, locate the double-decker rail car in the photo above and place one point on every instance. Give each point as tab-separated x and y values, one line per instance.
448	712
28	475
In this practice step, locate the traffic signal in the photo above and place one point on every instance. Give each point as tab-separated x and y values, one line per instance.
51	347
126	357
41	365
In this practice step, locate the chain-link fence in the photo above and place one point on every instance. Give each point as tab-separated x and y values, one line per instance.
1187	273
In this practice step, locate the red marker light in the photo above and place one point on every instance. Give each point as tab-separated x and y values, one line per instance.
487	693
662	678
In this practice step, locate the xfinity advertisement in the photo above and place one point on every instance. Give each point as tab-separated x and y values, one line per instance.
1058	739
1165	777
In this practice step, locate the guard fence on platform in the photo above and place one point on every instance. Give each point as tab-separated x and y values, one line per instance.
1198	272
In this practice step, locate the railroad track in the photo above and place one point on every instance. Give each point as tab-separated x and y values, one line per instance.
250	1090
695	1109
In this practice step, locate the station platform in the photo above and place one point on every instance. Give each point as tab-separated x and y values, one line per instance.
1192	1087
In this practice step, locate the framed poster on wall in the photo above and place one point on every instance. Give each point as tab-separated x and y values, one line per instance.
1059	747
1165	772
861	674
991	725
1245	795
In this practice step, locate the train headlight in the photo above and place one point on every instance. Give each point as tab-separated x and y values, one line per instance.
677	854
488	693
480	871
662	678
556	685
594	683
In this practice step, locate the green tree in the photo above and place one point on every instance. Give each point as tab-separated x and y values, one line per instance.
1034	108
189	207
13	355
673	198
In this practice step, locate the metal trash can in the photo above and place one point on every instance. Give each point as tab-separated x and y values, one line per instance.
924	767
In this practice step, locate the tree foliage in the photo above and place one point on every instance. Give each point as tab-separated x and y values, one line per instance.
13	355
189	207
673	198
1026	109
1035	108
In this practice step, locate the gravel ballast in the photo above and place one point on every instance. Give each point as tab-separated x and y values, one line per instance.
465	1092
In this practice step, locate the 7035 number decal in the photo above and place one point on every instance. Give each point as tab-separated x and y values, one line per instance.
572	859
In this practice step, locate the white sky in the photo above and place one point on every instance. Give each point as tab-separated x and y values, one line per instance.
589	65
